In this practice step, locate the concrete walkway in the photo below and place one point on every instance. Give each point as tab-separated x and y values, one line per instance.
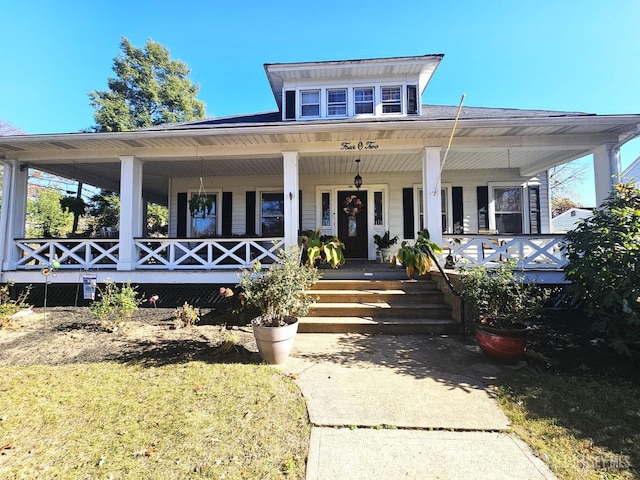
410	407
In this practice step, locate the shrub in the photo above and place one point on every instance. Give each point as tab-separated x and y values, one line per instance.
9	306
186	315
115	305
604	267
278	292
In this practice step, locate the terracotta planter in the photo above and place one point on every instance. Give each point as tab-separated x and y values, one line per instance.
275	343
507	345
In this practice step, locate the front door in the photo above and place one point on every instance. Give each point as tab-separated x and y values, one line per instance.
352	223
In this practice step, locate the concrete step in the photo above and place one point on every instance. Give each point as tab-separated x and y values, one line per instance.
405	285
381	310
392	326
389	296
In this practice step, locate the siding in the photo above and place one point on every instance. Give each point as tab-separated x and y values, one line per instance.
467	179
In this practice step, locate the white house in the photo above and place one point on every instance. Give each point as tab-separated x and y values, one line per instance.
568	220
632	173
271	175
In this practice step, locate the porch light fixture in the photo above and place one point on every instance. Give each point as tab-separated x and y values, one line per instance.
357	180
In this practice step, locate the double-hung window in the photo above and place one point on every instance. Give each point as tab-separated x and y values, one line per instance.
204	223
508	209
337	102
363	100
272	214
391	99
310	103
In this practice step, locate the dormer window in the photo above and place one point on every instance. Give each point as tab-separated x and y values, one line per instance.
363	100
310	103
391	99
337	102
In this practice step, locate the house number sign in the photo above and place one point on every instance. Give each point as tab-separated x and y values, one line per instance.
368	145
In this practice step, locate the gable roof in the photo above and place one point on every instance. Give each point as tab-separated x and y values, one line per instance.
632	172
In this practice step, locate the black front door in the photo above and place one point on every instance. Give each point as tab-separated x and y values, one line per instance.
352	223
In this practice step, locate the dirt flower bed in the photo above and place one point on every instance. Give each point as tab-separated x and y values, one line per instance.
72	335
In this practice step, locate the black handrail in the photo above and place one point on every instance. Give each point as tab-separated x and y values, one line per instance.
453	290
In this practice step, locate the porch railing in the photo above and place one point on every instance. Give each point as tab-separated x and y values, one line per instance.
528	251
71	253
205	254
153	253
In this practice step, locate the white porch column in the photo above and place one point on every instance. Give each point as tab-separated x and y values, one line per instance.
291	200
130	210
431	193
606	169
14	211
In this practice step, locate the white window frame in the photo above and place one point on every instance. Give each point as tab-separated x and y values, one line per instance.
345	103
218	194
259	193
319	103
446	190
373	101
399	102
524	204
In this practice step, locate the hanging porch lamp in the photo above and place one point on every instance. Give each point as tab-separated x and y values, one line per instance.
357	180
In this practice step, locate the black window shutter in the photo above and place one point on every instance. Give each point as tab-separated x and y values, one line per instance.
181	223
408	212
483	207
227	213
412	99
457	210
534	209
290	105
250	226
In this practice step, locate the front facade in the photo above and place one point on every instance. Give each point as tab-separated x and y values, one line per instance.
480	188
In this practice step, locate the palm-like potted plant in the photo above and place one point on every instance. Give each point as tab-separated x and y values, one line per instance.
502	302
277	294
418	258
323	248
384	244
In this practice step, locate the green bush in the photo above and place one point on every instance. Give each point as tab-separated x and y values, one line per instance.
604	267
115	305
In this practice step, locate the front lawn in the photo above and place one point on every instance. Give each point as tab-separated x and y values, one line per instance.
577	403
130	420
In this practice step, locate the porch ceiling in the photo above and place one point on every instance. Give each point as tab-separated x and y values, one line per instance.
529	144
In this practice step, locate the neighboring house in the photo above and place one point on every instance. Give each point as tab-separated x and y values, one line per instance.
567	221
271	175
632	173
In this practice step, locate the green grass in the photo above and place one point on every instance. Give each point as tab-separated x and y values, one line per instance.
111	420
582	427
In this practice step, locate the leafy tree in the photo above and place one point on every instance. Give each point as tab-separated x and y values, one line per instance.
157	220
561	205
104	209
563	182
46	217
149	89
604	266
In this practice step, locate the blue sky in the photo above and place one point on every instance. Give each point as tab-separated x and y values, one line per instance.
543	54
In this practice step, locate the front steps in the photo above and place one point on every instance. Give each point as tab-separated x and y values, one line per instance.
378	306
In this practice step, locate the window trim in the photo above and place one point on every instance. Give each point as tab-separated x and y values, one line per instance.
399	103
259	193
328	90
524	187
418	207
319	104
218	194
373	101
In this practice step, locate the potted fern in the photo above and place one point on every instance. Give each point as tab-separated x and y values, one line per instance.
277	294
384	244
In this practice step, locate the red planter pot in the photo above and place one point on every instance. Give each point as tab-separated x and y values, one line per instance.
507	345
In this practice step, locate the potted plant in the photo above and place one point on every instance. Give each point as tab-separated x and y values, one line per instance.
322	248
278	295
384	244
502	302
419	256
200	204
